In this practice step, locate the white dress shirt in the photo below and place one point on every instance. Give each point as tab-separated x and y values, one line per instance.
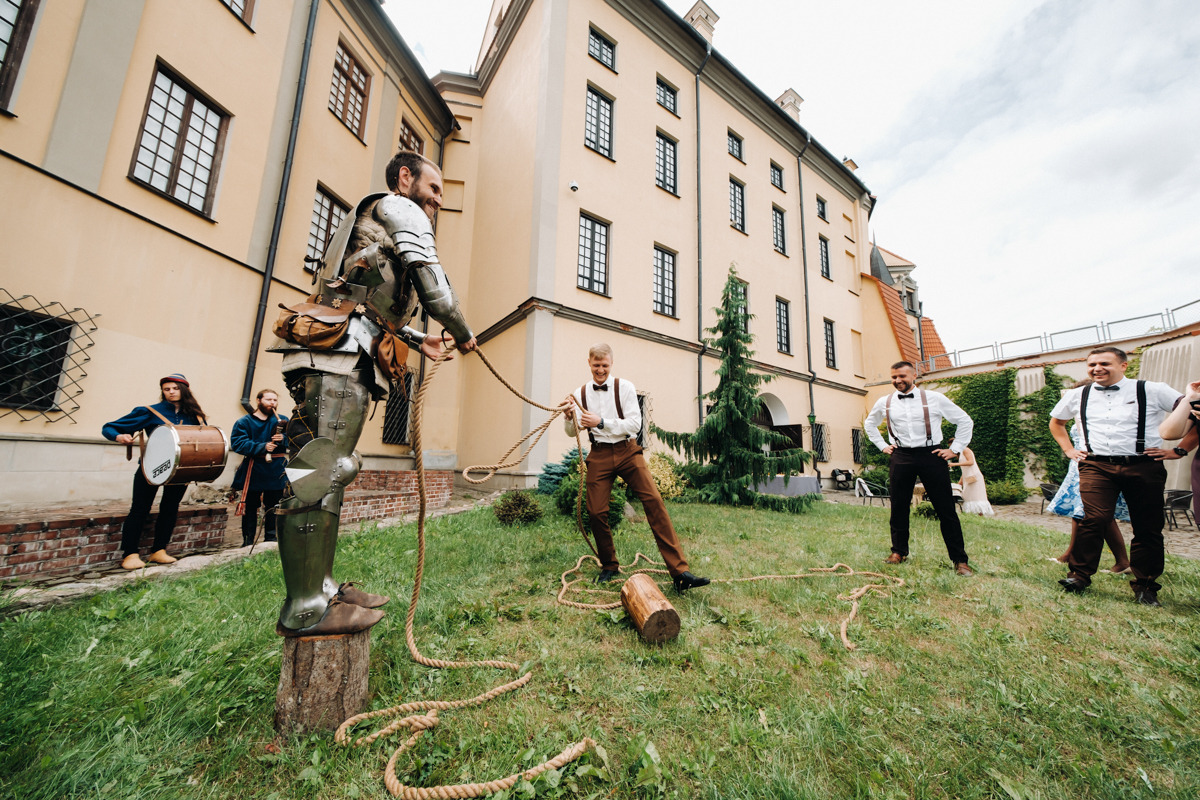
1112	416
605	404
907	428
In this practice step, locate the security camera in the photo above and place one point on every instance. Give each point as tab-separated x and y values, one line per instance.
574	186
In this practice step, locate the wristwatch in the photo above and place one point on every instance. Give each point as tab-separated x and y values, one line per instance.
600	426
1181	452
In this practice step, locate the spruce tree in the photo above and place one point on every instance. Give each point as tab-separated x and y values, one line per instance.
728	445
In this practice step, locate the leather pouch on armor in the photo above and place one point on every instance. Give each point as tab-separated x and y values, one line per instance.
392	355
311	325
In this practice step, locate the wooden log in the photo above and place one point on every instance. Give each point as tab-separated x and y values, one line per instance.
652	614
322	682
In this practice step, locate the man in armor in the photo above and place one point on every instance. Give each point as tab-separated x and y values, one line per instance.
379	266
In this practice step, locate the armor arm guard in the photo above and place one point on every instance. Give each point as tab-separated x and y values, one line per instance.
412	240
411	335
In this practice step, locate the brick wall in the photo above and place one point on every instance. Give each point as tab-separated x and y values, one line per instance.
377	494
73	544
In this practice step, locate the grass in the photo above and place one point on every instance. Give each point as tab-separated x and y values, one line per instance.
998	686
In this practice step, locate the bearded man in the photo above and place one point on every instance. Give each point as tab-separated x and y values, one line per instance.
380	267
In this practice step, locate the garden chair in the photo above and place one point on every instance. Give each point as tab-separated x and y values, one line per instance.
1178	501
869	492
1048	492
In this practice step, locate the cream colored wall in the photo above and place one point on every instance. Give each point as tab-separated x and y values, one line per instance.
41	81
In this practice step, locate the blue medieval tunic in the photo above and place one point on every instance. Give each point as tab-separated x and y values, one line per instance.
249	438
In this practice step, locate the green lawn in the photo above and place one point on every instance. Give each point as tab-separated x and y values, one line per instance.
997	686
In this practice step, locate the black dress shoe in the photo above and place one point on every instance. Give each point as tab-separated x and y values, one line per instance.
1073	585
607	575
1145	597
686	580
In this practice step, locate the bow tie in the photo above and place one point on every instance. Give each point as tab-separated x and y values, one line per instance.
905	396
1112	388
600	387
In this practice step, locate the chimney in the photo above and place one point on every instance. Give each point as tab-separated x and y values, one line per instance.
790	102
849	164
703	19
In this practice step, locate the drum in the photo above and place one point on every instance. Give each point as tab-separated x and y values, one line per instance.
184	453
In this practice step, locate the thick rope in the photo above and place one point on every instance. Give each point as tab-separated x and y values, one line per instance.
405	716
838	570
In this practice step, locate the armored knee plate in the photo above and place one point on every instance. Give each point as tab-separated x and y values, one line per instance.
330	414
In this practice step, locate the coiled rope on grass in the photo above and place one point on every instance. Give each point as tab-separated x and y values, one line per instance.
422	715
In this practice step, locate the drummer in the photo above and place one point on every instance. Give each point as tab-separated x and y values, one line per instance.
179	407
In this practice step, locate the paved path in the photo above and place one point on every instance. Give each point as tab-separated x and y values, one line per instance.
1183	542
68	589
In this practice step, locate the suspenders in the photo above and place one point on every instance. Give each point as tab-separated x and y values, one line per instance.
924	406
616	396
1140	443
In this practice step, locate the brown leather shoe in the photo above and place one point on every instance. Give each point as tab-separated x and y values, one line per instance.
133	561
161	557
350	593
963	569
895	558
339	618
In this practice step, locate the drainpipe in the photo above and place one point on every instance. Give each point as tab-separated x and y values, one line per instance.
285	181
700	259
812	403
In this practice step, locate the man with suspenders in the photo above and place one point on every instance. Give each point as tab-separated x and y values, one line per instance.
914	419
1119	418
608	410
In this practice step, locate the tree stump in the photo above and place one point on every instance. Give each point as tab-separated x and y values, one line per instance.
322	682
652	614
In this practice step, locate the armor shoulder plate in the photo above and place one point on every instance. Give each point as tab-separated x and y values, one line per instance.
409	228
330	267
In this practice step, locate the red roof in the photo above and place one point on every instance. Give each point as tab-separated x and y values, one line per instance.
895	311
933	344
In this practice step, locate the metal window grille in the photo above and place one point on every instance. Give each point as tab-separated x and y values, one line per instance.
856	444
783	325
821	208
664	281
410	139
825	271
180	140
348	91
819	436
777	176
396	413
665	163
593	255
644	406
737	205
830	350
240	7
42	353
777	232
327	214
598	133
602	49
734	143
667	97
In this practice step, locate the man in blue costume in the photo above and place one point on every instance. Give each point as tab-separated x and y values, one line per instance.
259	437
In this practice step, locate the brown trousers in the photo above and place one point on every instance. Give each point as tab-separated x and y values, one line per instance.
1142	484
604	464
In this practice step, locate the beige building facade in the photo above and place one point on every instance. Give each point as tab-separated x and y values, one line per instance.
159	202
614	166
168	167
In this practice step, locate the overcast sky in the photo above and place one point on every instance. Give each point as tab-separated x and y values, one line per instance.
1036	159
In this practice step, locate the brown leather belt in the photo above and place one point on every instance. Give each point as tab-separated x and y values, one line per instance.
612	444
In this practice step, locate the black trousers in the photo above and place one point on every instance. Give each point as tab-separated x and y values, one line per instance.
143	498
1142	484
268	498
907	465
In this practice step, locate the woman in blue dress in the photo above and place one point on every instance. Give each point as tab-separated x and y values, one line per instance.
1068	503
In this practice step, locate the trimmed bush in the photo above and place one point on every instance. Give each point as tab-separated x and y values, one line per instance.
568	491
554	472
1006	493
925	509
665	472
517	507
876	476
